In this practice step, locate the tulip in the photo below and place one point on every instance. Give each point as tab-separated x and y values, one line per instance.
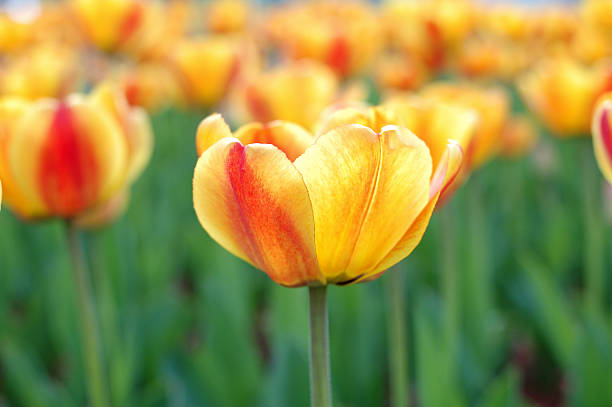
518	138
148	85
63	158
47	70
206	67
304	230
562	94
13	34
227	16
492	105
399	72
602	135
331	33
297	92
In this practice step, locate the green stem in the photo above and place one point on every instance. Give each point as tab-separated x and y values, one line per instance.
320	384
594	249
398	338
89	330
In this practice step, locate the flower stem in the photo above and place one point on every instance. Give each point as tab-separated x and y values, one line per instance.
320	384
450	289
594	249
89	330
398	338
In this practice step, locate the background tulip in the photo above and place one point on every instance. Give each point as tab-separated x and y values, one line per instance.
63	158
297	92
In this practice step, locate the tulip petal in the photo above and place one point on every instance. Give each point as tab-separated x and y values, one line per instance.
211	129
366	190
254	203
445	173
290	138
602	138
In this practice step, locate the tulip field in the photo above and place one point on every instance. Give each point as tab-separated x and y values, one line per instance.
224	203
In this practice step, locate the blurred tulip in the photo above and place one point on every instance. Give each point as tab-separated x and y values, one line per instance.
14	35
206	66
47	70
508	21
598	13
518	138
332	33
400	72
562	94
491	58
492	105
305	230
136	27
298	92
602	135
64	158
428	30
149	85
227	16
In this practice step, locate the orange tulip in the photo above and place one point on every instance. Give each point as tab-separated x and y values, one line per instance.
492	105
562	93
14	35
298	92
64	158
329	32
400	72
351	205
149	85
602	135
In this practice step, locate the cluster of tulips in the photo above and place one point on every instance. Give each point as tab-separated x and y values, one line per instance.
316	186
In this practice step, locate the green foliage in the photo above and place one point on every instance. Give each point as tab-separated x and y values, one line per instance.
186	324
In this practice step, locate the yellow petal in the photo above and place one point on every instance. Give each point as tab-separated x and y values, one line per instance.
290	138
211	129
602	136
443	177
366	190
254	203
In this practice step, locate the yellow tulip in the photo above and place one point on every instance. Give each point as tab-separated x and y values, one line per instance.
598	13
332	33
602	135
206	66
298	92
14	35
562	94
351	205
400	72
492	105
64	158
227	16
47	70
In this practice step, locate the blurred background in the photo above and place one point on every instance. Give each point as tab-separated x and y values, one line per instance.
500	310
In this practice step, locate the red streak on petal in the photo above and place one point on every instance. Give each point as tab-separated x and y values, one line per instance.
132	21
606	132
435	58
257	105
339	55
68	172
132	93
271	238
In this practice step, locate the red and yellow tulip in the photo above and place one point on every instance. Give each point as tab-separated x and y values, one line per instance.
298	92
64	158
562	94
602	135
329	32
348	207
